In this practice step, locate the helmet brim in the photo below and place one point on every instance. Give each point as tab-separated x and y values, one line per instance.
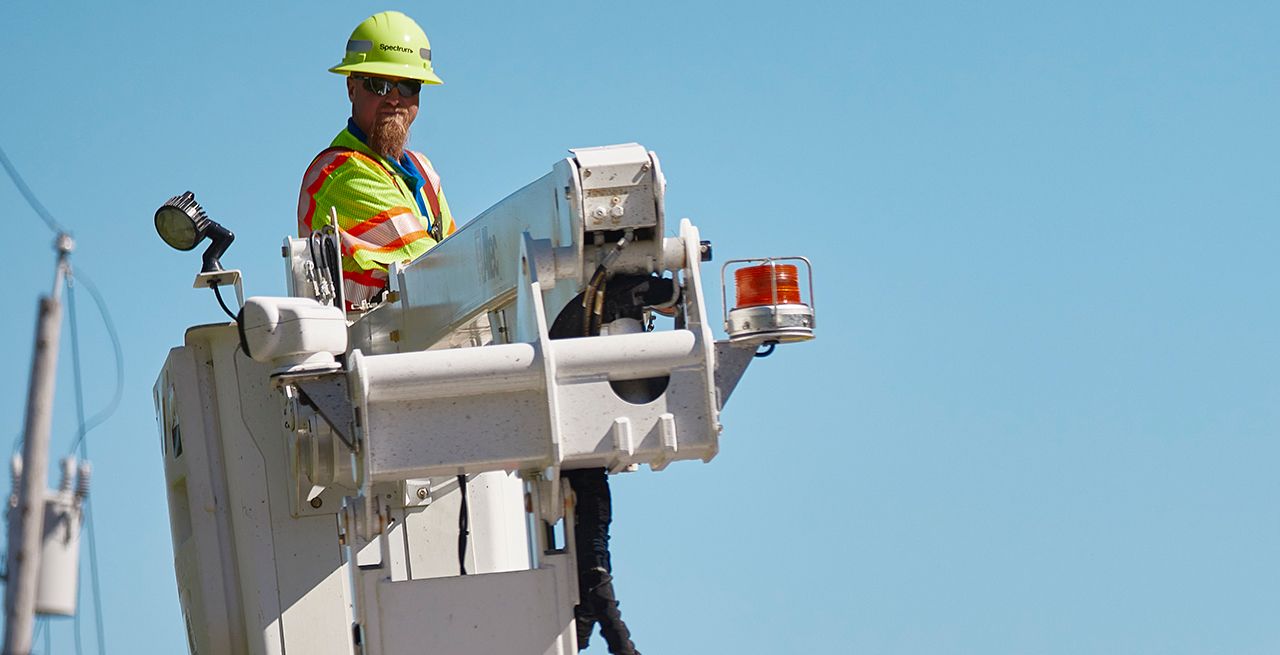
385	69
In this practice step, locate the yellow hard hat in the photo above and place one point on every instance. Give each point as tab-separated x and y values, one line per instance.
389	44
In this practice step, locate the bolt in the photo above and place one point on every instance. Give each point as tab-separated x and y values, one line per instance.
586	172
422	493
615	200
317	502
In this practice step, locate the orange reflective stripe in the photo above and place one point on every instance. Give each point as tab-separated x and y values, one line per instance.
357	245
400	227
371	277
362	285
338	156
379	219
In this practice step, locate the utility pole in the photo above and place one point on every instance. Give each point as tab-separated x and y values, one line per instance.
26	518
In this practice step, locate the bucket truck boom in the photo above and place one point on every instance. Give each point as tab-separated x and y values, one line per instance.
317	461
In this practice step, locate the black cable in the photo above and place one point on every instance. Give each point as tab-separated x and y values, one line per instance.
768	348
218	294
332	261
464	526
333	265
110	409
593	296
28	195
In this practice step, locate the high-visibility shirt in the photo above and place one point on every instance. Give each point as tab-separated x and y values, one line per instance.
388	211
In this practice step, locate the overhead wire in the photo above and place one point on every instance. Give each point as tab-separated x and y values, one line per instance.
83	426
75	364
41	632
36	206
106	412
29	195
79	391
93	576
82	445
75	630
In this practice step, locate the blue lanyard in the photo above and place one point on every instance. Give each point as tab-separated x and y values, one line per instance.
407	170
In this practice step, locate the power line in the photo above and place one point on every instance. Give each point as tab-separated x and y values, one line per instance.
30	196
75	362
79	390
83	444
106	412
93	574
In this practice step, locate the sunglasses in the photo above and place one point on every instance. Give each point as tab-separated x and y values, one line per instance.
382	86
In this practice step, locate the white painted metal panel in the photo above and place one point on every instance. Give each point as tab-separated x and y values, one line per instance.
234	485
526	612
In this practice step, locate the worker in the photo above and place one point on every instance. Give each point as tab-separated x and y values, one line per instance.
388	201
390	208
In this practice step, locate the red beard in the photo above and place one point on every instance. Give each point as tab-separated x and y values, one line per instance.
389	136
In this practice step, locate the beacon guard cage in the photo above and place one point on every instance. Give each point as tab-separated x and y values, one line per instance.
769	301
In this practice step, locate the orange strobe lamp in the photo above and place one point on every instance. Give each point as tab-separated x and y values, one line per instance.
769	305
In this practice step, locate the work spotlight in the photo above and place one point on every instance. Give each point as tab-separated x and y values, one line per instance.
183	224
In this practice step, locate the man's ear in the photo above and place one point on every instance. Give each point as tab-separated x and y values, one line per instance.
351	90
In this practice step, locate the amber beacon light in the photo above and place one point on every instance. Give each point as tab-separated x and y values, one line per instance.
769	300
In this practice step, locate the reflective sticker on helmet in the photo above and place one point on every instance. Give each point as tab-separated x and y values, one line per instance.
426	53
358	45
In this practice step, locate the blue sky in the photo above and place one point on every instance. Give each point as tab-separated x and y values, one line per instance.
1041	414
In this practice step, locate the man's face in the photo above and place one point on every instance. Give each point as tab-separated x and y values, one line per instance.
384	119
